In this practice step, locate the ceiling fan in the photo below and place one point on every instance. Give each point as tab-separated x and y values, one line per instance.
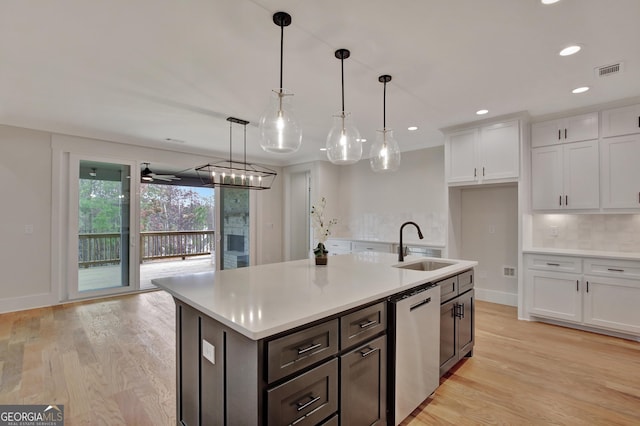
148	176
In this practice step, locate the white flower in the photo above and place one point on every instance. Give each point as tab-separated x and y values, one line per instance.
321	228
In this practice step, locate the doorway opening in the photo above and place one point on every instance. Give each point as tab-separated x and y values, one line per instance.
177	230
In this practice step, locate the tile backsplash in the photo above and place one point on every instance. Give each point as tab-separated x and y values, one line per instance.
386	227
610	232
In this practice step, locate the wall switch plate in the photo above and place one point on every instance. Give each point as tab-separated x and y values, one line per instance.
28	229
209	351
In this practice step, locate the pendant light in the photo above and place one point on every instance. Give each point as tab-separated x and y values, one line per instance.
343	141
236	174
385	152
279	129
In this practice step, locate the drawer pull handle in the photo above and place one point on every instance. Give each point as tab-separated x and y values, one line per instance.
552	264
369	323
303	405
368	352
615	270
310	348
421	303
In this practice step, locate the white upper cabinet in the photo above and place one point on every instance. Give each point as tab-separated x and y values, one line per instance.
460	155
486	154
620	172
571	129
621	121
565	177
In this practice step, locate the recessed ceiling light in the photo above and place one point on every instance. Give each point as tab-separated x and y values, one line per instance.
549	1
361	140
580	89
482	111
570	50
412	128
323	149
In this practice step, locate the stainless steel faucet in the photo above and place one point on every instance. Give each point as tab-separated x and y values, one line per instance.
401	248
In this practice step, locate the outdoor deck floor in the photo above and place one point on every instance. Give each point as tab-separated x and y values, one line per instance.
109	276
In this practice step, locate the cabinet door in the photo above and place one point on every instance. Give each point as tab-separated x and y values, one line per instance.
448	336
621	121
461	156
546	178
465	323
581	177
546	133
554	295
612	303
363	384
499	151
620	169
580	127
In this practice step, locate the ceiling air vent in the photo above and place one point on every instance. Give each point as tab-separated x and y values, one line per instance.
608	70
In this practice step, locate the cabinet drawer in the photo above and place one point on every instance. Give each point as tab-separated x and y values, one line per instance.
290	353
359	326
554	263
306	399
448	288
363	384
612	268
358	246
465	281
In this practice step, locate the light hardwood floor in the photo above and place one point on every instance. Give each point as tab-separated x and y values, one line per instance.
112	361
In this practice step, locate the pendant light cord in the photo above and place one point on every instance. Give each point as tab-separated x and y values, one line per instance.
384	107
230	140
342	70
281	53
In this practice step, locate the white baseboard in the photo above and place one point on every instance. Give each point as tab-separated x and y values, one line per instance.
27	302
495	296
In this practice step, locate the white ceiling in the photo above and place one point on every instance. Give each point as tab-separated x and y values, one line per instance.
142	71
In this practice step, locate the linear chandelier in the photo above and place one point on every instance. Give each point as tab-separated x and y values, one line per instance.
236	174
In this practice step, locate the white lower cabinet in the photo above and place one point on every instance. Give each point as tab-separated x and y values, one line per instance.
599	293
555	295
612	303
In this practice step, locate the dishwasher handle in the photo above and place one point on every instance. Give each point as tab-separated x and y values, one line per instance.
420	303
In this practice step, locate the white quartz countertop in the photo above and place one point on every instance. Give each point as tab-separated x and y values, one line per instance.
260	301
585	253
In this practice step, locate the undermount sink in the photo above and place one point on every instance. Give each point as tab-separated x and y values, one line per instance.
424	265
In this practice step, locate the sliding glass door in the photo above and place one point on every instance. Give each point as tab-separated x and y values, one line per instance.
102	238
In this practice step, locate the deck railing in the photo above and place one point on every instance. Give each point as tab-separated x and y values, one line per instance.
104	248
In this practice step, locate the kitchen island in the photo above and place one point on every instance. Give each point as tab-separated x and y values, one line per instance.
245	337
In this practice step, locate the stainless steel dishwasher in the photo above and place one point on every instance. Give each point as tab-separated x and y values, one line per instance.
414	371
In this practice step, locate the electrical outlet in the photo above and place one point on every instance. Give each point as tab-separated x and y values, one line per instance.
28	229
209	351
553	230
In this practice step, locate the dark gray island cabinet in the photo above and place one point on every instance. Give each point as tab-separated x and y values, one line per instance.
330	372
293	343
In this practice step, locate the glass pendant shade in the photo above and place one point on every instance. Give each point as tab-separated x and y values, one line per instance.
343	142
280	131
385	152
